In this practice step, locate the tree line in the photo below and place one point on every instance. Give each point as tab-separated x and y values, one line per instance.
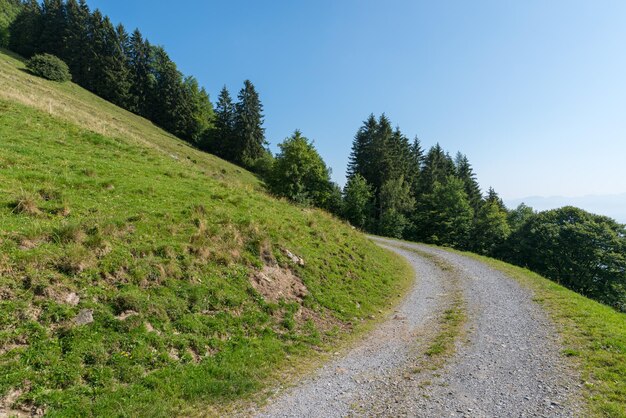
127	70
395	188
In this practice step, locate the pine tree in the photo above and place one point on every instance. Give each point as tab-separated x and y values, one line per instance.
196	112
249	131
492	197
111	73
465	172
52	39
77	40
221	139
141	77
361	155
416	159
167	100
445	215
25	30
438	167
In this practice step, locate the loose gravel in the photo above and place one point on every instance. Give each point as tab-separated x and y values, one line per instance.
507	362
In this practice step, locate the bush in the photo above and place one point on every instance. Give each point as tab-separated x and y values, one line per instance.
50	67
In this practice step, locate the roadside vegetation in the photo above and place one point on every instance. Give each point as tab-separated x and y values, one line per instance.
593	336
139	276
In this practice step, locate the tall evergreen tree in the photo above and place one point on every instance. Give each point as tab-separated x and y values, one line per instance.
492	197
111	73
167	97
77	45
445	215
25	30
415	166
197	113
465	172
362	154
140	58
438	167
52	39
221	139
250	134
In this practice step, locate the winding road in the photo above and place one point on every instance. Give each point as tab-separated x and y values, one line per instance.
506	359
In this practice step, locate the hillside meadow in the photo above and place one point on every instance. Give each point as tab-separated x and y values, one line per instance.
139	276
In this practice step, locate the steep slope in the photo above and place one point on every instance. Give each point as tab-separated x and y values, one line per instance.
139	276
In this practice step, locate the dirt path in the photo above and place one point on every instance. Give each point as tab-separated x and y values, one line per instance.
505	360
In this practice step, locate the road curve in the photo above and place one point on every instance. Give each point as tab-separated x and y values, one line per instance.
507	361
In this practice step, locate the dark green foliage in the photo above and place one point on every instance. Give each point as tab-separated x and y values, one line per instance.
357	201
25	30
53	27
580	250
299	173
465	172
140	56
437	168
221	139
444	216
49	67
518	216
9	9
249	132
395	203
490	229
77	39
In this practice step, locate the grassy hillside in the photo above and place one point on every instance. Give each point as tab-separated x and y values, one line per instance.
139	276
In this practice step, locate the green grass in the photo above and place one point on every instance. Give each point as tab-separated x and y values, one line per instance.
593	336
159	241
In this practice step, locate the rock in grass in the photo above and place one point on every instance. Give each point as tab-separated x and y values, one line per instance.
84	317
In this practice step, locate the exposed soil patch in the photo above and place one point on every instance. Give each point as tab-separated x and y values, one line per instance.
276	283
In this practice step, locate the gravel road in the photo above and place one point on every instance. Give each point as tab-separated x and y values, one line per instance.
506	363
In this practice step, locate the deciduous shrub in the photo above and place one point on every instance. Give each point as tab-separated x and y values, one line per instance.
50	67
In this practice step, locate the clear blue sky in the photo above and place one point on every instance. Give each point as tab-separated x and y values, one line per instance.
533	91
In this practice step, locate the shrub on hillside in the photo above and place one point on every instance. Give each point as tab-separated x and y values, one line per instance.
50	67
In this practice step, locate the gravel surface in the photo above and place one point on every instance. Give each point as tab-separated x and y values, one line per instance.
507	361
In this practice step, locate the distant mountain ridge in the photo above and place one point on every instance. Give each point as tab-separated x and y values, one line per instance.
613	205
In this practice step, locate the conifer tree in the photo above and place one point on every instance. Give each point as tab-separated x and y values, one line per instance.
465	172
25	30
52	39
362	154
140	59
438	167
492	197
111	74
445	215
221	139
416	159
250	134
77	40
